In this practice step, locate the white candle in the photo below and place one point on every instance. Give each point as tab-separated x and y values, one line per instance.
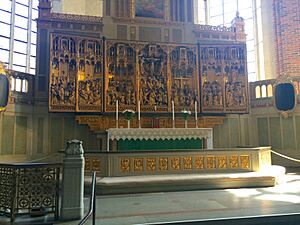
196	116
196	111
173	112
117	110
139	110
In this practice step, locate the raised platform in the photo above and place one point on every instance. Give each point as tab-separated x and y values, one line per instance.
186	182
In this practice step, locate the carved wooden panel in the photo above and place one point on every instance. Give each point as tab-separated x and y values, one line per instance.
63	70
76	74
236	79
224	81
153	73
90	75
184	74
120	76
153	77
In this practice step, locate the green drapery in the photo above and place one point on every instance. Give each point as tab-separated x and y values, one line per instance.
142	145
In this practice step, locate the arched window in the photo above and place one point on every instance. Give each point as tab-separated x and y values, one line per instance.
263	91
257	92
24	86
270	90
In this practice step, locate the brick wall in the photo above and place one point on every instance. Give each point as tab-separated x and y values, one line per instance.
286	18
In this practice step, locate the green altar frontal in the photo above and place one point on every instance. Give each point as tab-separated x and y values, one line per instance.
146	145
145	139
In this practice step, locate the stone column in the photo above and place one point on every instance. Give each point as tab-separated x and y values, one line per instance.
72	207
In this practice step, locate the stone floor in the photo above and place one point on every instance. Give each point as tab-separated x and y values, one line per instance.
193	205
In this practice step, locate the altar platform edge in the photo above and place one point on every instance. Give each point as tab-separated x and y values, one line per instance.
186	182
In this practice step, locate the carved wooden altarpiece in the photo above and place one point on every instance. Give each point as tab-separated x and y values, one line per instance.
120	76
76	74
90	75
153	77
184	86
224	81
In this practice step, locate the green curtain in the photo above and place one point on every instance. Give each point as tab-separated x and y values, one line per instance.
145	145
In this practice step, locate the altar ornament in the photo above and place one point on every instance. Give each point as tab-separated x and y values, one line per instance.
185	115
128	114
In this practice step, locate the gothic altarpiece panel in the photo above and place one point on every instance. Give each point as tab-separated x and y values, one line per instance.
153	77
184	87
120	76
75	74
154	74
63	71
224	81
90	75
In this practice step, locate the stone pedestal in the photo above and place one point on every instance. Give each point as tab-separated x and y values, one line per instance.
72	207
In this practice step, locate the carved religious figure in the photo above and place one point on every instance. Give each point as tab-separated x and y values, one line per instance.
120	66
184	77
224	80
75	70
153	78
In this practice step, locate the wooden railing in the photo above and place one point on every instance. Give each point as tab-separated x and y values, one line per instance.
29	189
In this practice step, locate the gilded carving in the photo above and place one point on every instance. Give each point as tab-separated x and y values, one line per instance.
120	76
138	164
96	165
92	164
151	164
199	162
90	75
233	161
153	73
265	158
163	164
75	74
224	80
210	162
187	163
245	161
175	163
153	90
63	70
125	165
212	78
184	77
222	162
236	81
87	164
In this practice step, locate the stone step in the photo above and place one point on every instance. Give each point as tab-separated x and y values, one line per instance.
186	182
